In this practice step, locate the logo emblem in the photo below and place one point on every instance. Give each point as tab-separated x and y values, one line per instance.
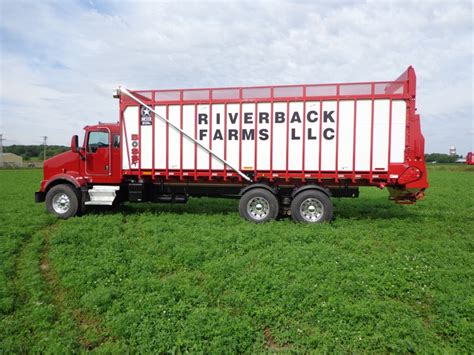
145	116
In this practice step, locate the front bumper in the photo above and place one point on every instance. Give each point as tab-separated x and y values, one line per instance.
39	196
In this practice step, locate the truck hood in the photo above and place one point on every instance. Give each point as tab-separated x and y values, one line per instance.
61	163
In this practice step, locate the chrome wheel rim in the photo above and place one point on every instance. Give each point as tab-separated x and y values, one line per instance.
258	208
61	203
312	210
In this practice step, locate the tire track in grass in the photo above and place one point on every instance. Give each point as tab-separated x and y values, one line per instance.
15	237
34	325
92	333
19	297
272	344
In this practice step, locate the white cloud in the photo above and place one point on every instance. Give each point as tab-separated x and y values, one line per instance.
59	68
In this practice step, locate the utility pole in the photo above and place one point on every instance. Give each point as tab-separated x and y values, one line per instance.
1	150
45	138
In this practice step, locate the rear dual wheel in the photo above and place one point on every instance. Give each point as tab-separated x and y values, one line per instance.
259	205
311	206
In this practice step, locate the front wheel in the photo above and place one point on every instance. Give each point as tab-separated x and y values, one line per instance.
311	206
62	201
258	206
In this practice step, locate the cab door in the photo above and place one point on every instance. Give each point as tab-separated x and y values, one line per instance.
98	152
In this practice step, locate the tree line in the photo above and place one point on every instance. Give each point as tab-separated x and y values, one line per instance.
441	158
33	152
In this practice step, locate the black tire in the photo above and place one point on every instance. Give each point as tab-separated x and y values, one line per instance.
259	206
63	201
317	204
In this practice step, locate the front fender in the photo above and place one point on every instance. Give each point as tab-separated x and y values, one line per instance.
72	178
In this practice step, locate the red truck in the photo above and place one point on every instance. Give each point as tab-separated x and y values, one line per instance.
469	159
281	150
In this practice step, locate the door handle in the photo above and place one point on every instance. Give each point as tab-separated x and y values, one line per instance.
106	167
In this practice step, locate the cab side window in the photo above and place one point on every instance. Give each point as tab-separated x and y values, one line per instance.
97	139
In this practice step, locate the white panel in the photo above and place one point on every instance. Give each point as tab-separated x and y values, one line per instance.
399	114
346	135
363	122
282	138
380	145
218	135
233	134
130	125
328	149
312	136
160	138
174	142
295	154
263	145
203	136
248	136
146	146
188	145
279	136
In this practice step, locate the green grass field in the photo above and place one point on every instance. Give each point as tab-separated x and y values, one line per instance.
380	278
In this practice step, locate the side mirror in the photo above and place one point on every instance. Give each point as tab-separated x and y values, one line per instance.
75	144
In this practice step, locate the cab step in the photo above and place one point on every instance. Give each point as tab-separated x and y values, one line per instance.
102	195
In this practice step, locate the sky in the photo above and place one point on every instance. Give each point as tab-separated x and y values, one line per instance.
61	60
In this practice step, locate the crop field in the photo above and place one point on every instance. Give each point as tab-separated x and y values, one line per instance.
173	278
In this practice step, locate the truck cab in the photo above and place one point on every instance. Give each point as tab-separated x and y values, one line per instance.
68	176
100	154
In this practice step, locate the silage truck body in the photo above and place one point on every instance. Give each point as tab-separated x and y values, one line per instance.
279	149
